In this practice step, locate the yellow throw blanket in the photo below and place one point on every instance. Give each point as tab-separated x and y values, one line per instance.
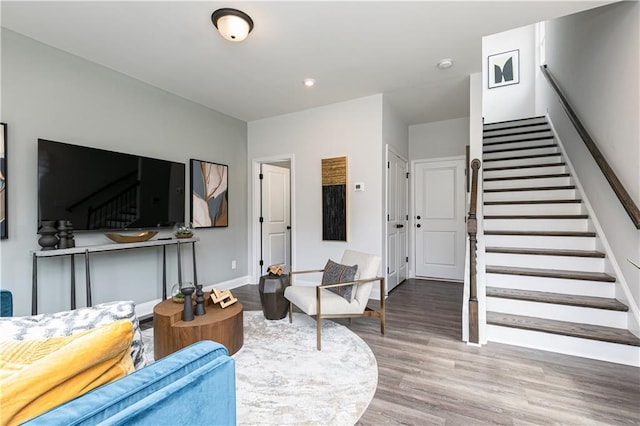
37	375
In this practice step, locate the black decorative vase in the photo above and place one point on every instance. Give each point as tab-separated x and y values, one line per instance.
71	242
187	313
63	234
48	239
271	288
199	300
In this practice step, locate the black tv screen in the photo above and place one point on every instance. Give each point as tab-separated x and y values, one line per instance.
97	189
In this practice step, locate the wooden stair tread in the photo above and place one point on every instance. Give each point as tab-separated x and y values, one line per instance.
544	233
564	328
539	138
498	203
521	148
537	216
558	299
547	252
524	166
525	157
551	273
554	175
532	188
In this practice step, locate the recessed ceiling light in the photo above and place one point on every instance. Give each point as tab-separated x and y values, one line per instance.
443	64
309	82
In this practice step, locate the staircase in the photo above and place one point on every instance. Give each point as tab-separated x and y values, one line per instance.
546	285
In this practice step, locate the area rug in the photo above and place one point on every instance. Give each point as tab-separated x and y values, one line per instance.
282	379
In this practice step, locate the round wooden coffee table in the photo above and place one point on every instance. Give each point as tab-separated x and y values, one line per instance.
171	334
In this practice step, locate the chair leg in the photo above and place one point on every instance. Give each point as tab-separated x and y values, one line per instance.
319	326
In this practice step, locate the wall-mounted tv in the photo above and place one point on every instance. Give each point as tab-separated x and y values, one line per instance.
97	189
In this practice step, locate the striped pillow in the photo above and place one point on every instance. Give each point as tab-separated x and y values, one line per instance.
336	273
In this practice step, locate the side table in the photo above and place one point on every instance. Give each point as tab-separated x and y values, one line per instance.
271	288
171	334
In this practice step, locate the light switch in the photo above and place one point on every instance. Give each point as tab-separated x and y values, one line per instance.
358	186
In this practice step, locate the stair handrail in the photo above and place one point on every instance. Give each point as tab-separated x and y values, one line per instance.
472	230
618	188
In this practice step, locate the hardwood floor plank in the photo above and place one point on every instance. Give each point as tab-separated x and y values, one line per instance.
428	376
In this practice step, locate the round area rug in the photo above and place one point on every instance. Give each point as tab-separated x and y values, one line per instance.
282	379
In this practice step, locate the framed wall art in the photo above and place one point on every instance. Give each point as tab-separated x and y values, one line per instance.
209	194
4	230
504	69
334	199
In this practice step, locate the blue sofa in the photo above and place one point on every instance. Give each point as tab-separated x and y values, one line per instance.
194	386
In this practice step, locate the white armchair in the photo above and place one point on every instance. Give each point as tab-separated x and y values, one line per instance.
319	301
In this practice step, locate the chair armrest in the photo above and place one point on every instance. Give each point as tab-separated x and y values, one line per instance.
356	282
306	272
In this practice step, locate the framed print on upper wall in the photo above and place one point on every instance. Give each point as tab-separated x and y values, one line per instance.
209	194
504	69
4	229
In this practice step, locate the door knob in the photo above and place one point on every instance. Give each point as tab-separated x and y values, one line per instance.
418	217
399	226
418	226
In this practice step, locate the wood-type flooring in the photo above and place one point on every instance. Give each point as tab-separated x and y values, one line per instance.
428	376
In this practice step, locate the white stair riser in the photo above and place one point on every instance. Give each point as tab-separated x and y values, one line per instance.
494	126
525	241
569	263
559	208
552	285
550	194
524	161
511	137
527	183
510	153
577	225
586	348
488	146
523	172
556	312
542	126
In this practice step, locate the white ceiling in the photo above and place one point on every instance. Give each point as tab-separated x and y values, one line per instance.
352	49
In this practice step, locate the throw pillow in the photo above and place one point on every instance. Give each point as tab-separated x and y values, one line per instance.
336	273
67	323
37	375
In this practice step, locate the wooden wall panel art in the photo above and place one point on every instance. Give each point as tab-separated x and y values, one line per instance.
334	199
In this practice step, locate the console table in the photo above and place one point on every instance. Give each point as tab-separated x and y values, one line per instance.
104	248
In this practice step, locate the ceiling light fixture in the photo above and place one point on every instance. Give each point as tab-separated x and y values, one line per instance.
443	64
233	24
309	82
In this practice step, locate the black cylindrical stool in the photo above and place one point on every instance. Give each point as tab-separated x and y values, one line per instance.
271	288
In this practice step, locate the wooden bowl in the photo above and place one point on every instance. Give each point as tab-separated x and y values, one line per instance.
184	235
131	238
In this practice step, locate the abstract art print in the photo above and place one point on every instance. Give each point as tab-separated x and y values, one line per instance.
504	69
209	194
3	181
334	199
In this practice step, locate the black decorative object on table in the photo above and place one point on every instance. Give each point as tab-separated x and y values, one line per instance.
48	239
63	234
71	242
187	313
199	300
271	288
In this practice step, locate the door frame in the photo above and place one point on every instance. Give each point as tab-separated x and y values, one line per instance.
254	217
386	212
412	206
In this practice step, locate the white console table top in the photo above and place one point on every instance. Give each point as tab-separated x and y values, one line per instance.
112	246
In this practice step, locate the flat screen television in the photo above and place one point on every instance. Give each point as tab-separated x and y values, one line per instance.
103	190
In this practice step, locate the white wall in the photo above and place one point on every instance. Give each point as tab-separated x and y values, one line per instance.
446	138
395	132
517	100
47	93
595	57
352	129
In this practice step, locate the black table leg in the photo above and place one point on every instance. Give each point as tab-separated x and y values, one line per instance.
164	273
88	275
34	286
73	281
179	265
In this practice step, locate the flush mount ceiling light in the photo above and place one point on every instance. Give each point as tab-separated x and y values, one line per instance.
309	82
443	64
233	24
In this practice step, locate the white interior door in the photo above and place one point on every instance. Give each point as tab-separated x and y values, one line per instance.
397	220
440	226
276	213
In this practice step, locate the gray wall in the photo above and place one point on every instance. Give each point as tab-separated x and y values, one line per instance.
445	138
595	56
47	93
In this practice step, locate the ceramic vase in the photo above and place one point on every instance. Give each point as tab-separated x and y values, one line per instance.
48	239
